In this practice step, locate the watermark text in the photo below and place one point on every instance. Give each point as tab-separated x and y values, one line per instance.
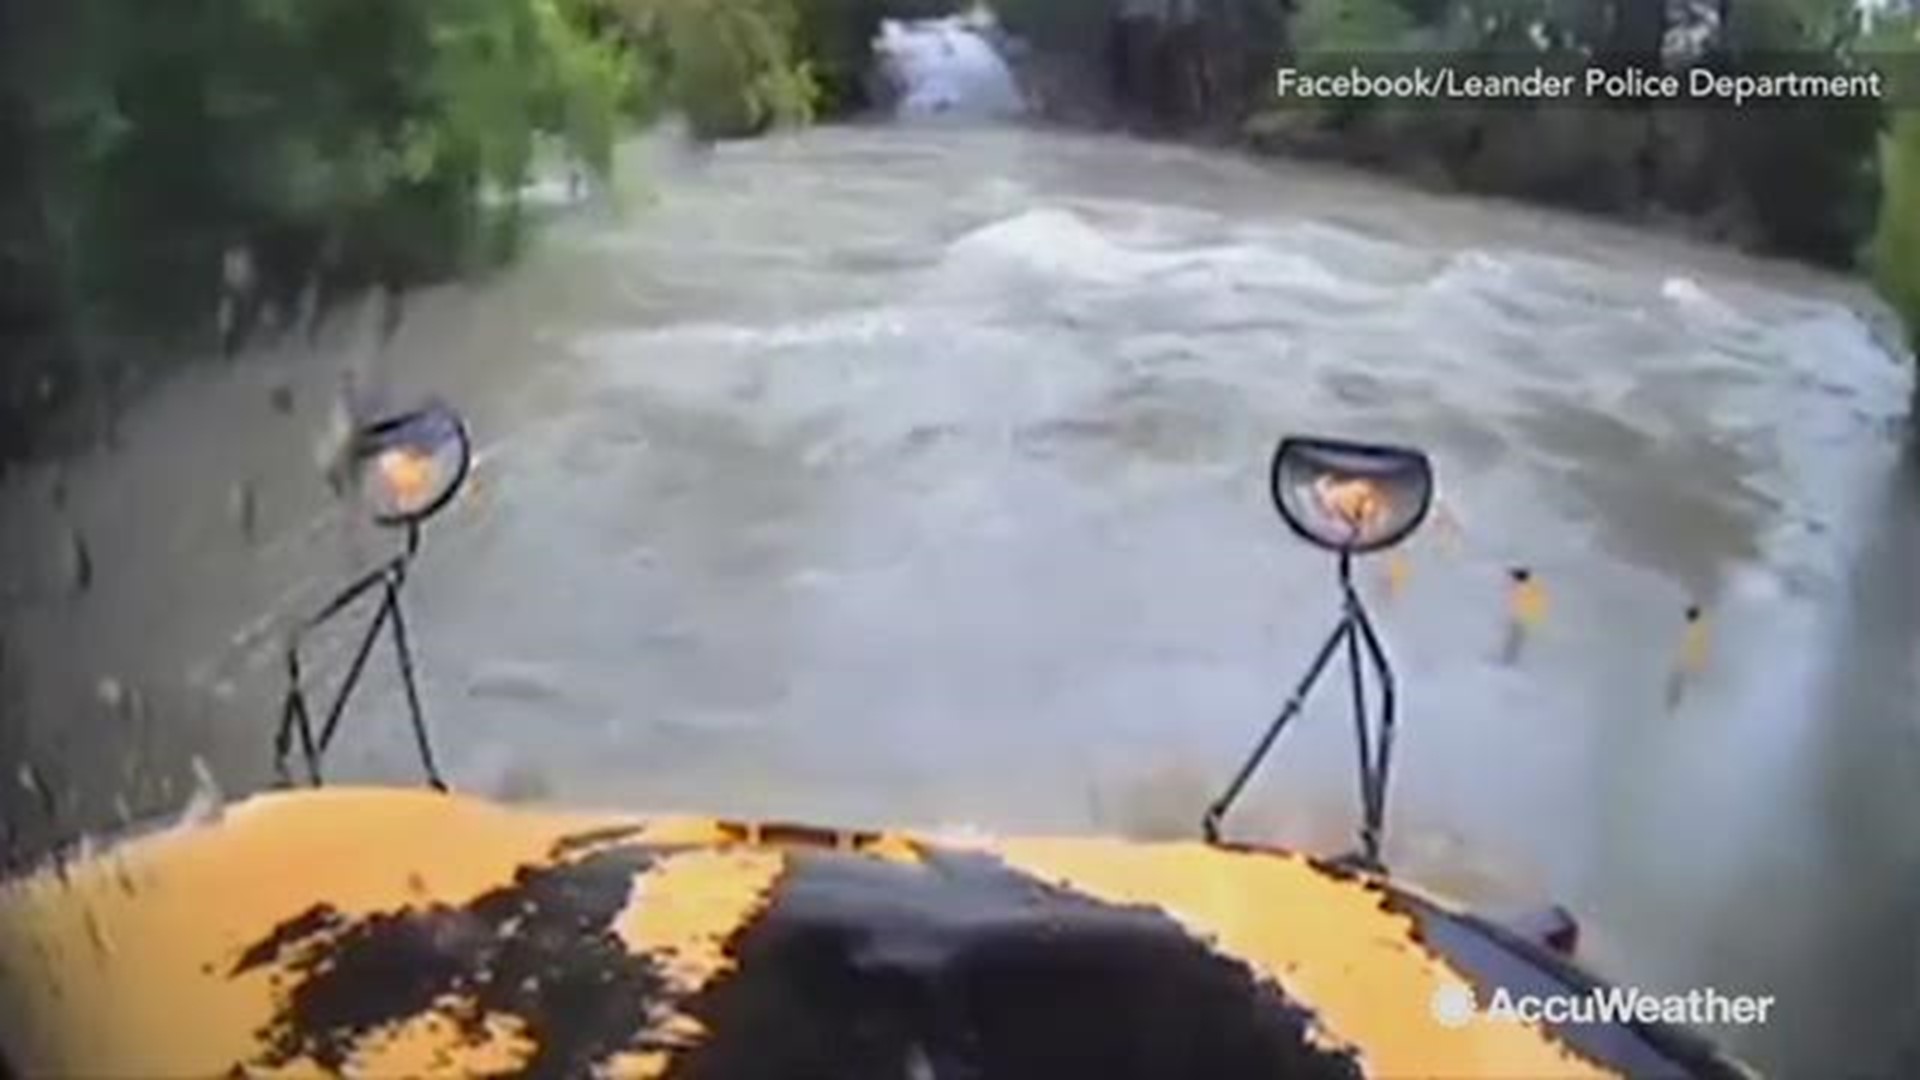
1358	81
1454	1005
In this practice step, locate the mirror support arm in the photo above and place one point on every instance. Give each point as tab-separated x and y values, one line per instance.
1374	734
295	717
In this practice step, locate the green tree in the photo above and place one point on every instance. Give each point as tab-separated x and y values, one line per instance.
731	69
836	37
349	140
1805	169
369	130
1896	243
335	142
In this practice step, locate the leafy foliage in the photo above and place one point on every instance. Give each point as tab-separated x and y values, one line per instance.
730	68
1526	26
1805	169
1894	252
355	132
150	152
1350	26
1788	25
340	142
1896	243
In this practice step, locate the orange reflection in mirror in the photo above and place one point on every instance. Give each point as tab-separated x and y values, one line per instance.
1358	502
408	477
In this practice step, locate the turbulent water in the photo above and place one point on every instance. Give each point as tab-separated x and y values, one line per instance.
918	475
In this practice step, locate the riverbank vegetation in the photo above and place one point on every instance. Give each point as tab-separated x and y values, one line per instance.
200	173
1828	182
1896	243
1790	177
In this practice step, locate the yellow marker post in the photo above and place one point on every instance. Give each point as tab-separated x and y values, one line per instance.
1694	643
1398	569
1692	660
1527	600
1526	610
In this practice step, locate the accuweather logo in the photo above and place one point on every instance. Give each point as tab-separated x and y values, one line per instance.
1454	1006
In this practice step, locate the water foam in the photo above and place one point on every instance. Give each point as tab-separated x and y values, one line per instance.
1059	243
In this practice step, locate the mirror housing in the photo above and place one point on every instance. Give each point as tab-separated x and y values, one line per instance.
413	464
1348	497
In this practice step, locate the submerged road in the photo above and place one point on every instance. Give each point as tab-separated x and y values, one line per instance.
916	474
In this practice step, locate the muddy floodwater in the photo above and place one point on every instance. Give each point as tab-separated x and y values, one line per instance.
917	475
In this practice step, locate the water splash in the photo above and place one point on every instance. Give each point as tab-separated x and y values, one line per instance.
206	805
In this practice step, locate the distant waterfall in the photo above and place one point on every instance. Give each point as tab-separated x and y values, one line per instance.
947	66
